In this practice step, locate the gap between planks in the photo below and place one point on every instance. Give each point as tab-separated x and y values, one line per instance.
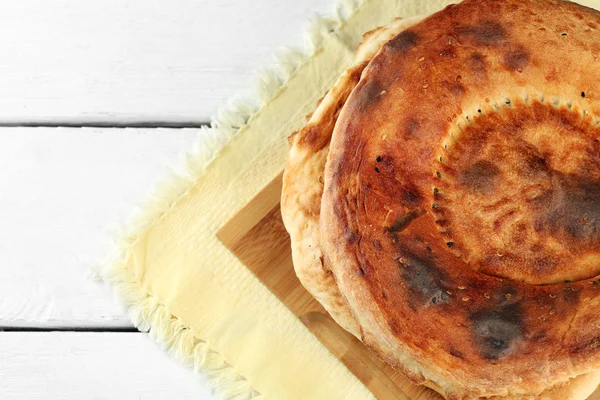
125	329
106	124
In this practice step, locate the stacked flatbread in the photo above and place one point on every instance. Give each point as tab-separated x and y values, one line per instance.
443	200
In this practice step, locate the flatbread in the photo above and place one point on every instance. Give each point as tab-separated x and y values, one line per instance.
456	231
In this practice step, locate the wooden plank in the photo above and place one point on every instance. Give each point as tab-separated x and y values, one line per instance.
77	365
62	192
135	61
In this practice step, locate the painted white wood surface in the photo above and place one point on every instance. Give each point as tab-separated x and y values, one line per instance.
81	366
131	61
63	191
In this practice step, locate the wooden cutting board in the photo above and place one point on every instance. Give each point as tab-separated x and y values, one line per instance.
256	235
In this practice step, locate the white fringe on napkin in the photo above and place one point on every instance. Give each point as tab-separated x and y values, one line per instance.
145	311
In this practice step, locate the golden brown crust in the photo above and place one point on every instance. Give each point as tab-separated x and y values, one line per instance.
469	299
301	199
303	182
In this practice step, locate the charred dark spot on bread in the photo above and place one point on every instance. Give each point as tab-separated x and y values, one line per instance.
411	128
477	64
573	209
426	283
368	94
351	236
498	329
516	60
481	176
536	164
403	42
487	33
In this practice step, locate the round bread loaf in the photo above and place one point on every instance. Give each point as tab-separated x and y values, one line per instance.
452	223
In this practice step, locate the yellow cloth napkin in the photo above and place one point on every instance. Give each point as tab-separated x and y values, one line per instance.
192	293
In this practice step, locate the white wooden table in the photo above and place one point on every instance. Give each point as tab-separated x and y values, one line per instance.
96	97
